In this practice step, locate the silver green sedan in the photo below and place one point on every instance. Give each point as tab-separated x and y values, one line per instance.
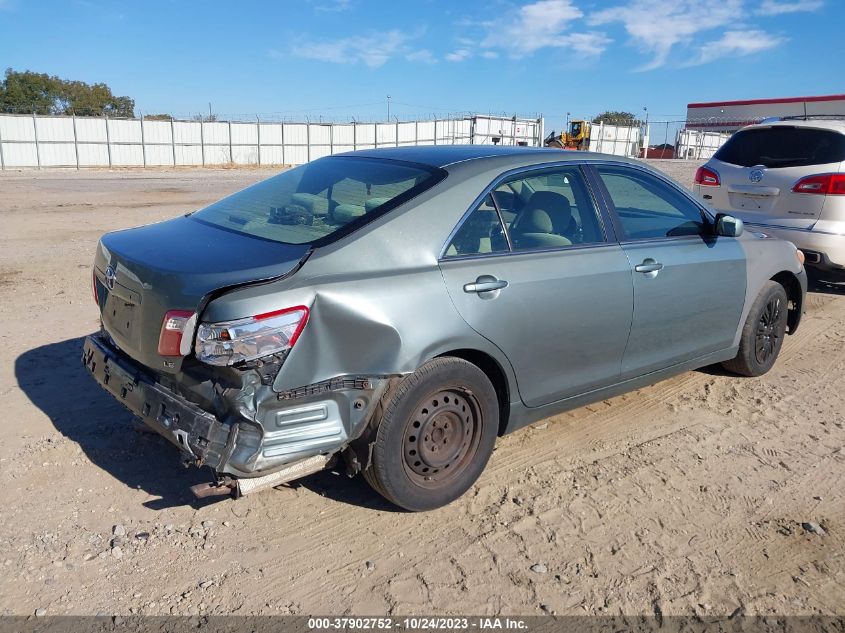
391	312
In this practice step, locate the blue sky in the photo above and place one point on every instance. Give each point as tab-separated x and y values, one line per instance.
341	58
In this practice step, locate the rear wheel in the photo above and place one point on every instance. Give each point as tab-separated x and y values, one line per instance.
436	435
763	333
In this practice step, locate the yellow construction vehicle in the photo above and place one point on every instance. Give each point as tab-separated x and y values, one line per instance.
576	137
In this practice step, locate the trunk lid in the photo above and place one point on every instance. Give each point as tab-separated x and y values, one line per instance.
175	265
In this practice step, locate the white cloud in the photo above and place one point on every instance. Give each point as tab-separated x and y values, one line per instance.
734	44
459	55
656	26
779	7
422	55
542	24
373	49
489	54
333	6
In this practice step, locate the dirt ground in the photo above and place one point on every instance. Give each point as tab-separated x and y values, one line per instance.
705	494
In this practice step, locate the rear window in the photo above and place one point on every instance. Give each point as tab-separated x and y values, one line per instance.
321	200
783	147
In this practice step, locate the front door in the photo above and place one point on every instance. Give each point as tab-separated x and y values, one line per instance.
531	270
689	285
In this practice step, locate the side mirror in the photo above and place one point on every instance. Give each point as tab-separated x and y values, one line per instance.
728	225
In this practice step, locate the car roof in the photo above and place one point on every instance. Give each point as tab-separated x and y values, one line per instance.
837	125
445	155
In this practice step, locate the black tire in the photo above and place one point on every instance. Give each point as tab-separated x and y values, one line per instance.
763	333
436	435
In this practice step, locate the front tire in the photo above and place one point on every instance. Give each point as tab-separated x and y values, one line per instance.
763	333
436	435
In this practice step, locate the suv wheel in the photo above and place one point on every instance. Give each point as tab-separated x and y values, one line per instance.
436	435
762	334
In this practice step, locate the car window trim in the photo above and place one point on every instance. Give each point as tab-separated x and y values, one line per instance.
622	237
532	251
502	221
609	235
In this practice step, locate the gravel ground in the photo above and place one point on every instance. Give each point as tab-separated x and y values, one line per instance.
705	494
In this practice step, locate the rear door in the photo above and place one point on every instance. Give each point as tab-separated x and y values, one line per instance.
758	168
689	286
533	269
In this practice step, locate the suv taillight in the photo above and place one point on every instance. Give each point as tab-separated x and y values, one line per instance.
174	327
231	342
823	184
94	287
707	177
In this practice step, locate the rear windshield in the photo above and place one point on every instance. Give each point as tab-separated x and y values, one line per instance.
783	147
323	199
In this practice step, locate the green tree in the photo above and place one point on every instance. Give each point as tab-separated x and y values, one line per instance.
612	117
45	94
28	92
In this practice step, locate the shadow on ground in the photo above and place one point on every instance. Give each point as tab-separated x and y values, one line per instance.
826	284
54	379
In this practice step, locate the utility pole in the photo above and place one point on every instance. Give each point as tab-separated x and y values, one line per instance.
645	145
388	107
209	110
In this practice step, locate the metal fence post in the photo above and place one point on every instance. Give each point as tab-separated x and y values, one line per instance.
258	137
397	132
307	140
331	139
231	155
2	161
75	142
435	130
354	135
202	141
173	141
143	143
35	131
283	143
108	140
416	132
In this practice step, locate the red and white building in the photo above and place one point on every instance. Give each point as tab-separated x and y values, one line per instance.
729	116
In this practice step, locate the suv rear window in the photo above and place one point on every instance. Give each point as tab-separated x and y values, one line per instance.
782	146
322	200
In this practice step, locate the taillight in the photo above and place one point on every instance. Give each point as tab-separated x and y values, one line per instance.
173	328
94	287
823	184
231	342
707	177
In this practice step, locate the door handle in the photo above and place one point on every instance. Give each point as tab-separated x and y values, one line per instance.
648	266
485	283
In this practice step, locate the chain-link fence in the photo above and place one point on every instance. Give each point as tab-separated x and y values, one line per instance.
35	141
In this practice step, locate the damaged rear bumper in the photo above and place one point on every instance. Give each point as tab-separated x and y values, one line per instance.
273	434
196	432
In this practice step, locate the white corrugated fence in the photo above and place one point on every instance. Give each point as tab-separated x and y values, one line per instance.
65	141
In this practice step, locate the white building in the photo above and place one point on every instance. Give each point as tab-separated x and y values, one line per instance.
729	116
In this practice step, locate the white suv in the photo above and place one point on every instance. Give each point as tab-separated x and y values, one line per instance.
786	177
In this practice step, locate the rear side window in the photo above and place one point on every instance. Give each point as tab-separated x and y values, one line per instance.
781	146
314	202
480	234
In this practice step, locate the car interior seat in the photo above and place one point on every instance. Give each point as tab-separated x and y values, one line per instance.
543	222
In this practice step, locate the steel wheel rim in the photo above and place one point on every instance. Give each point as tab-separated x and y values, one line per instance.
768	334
441	438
